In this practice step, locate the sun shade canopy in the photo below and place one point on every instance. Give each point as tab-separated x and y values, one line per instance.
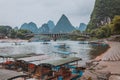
58	62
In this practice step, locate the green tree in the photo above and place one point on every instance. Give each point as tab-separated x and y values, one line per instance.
76	32
100	33
116	25
5	30
107	30
23	33
13	34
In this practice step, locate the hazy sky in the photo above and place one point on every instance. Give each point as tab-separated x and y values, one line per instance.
17	12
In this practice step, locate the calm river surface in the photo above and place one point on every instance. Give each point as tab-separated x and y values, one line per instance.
84	51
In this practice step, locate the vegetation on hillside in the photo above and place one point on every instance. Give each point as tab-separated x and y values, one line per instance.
8	32
103	12
5	30
107	30
115	25
105	19
21	34
76	35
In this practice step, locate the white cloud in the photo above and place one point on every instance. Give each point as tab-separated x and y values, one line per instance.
16	12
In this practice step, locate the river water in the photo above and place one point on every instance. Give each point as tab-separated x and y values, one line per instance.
84	51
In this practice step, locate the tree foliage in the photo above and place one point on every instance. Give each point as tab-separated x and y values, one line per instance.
5	30
22	34
107	30
102	32
76	32
115	25
11	33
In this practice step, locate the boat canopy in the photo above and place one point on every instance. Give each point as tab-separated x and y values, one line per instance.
6	74
60	62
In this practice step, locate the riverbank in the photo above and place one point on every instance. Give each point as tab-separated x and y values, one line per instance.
110	47
12	40
105	66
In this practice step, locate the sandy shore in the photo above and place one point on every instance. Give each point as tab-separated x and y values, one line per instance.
106	64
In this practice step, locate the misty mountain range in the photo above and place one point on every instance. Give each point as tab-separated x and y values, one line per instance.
62	26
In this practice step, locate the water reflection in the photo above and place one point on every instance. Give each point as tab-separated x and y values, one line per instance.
97	50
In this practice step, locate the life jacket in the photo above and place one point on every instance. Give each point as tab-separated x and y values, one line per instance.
31	66
8	62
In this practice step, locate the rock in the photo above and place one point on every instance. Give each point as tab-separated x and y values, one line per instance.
114	77
44	29
30	26
103	12
82	27
103	75
51	25
63	26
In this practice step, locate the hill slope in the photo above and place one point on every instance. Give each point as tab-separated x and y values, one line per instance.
63	26
30	26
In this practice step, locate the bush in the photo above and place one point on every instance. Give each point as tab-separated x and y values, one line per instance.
115	25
